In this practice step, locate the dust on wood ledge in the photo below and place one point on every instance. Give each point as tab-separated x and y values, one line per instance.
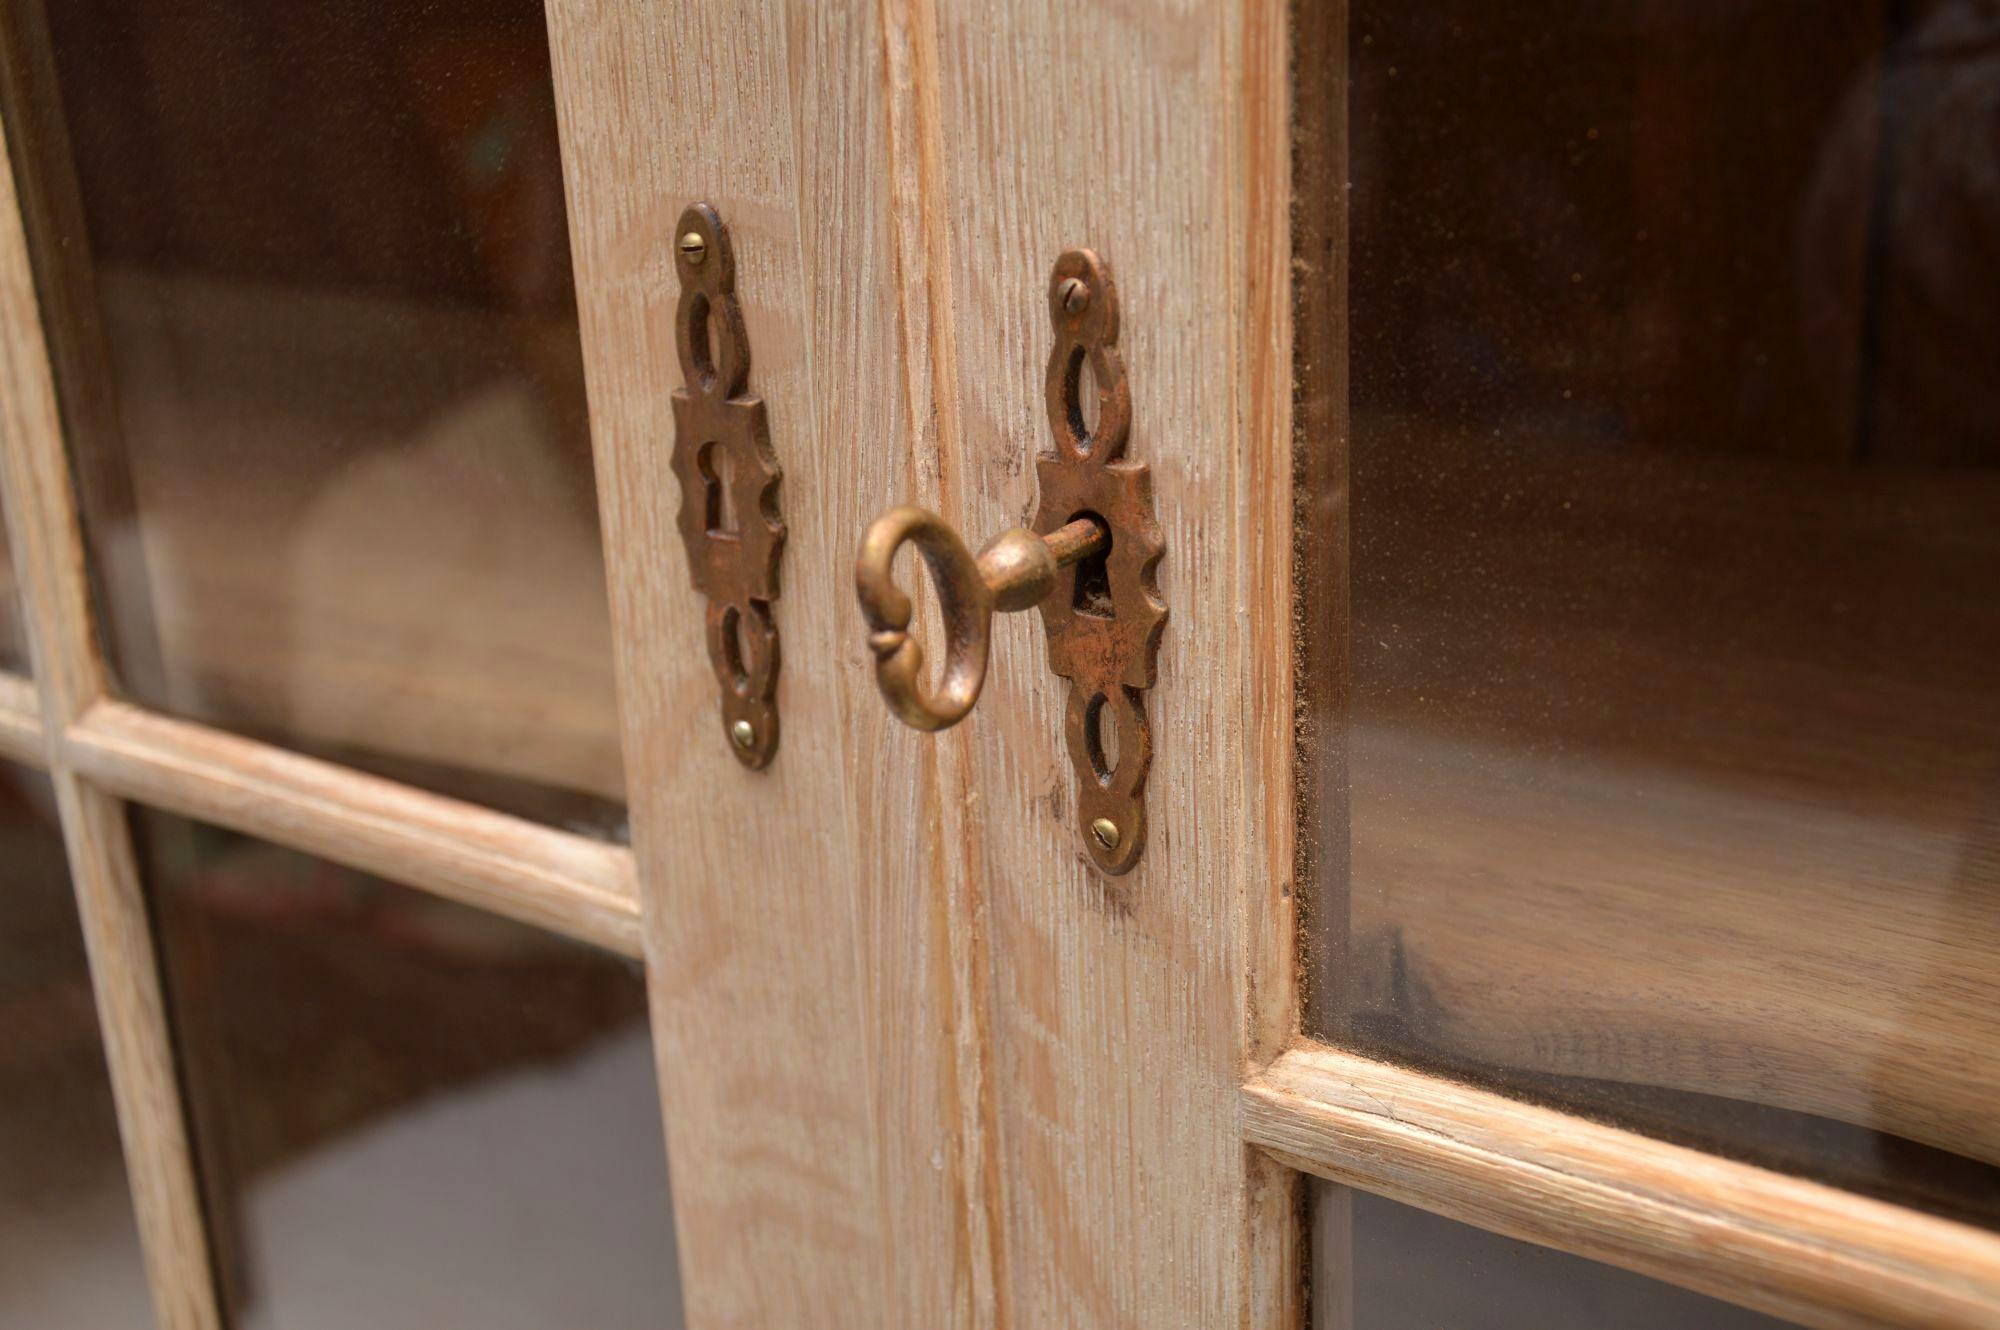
550	879
1783	1245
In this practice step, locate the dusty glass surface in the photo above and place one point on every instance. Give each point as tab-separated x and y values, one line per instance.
307	268
407	1111
1671	730
13	632
69	1246
1401	1268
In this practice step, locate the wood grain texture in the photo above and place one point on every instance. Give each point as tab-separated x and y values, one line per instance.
1124	1013
21	722
794	919
1796	1249
1273	1235
48	559
569	884
920	214
1056	1062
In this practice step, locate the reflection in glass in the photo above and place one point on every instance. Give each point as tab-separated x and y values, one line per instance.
307	272
409	1112
69	1246
13	632
1673	727
1398	1268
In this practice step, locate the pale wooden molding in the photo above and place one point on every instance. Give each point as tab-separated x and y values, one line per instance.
801	924
1811	1253
1123	1013
568	884
920	214
1270	1234
21	722
124	968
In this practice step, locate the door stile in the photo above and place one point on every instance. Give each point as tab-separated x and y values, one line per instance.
1122	1012
800	972
1275	1233
935	454
854	119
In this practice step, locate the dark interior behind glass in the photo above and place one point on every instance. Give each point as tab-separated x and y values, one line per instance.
305	274
1667	754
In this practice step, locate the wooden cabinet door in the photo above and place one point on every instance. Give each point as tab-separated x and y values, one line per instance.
922	1064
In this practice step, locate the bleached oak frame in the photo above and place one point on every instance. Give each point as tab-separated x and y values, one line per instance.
902	1090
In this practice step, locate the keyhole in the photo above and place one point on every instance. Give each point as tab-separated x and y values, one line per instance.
1093	577
718	489
1100	739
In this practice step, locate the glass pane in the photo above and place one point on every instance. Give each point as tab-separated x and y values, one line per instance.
409	1112
1672	746
1407	1269
69	1246
308	267
13	632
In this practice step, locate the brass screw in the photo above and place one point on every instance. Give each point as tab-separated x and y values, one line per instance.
744	733
1074	296
1106	832
694	249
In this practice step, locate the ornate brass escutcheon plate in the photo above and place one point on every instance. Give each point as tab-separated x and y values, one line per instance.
729	517
1105	616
